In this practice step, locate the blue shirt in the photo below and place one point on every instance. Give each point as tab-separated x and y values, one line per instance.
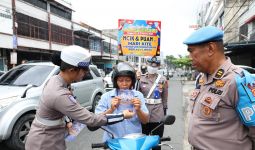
127	126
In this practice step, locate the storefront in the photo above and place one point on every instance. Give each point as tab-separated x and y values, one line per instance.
104	63
241	53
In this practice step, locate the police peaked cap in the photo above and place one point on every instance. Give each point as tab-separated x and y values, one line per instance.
76	56
204	35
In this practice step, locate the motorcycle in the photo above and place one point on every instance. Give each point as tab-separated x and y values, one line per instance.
135	141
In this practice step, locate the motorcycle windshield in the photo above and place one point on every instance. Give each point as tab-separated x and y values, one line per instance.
140	143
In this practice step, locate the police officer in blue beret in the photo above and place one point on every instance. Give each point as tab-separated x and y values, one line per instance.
214	122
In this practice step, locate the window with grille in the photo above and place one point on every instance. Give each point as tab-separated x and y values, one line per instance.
61	35
32	27
61	12
83	42
39	3
106	47
243	32
95	45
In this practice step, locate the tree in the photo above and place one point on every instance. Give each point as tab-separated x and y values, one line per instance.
178	62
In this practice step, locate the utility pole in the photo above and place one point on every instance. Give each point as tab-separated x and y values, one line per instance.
49	26
13	55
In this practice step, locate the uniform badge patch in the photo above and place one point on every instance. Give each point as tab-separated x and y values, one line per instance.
72	99
208	100
207	111
252	88
219	83
201	81
194	94
219	73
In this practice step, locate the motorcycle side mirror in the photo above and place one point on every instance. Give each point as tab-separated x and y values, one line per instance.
92	128
169	120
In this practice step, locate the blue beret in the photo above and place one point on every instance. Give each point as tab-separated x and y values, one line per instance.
203	35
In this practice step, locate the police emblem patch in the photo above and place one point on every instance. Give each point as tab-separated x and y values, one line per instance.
72	99
219	73
219	83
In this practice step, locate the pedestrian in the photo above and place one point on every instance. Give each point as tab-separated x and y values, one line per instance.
48	128
155	90
214	123
138	77
123	97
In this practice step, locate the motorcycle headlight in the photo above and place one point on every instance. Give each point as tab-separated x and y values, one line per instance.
7	101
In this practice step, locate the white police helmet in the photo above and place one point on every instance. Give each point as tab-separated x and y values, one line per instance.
76	56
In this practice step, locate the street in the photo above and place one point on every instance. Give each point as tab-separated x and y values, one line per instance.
177	105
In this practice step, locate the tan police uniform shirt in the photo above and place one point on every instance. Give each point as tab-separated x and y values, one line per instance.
214	123
56	102
156	111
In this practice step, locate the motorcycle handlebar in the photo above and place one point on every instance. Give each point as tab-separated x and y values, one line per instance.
99	145
104	145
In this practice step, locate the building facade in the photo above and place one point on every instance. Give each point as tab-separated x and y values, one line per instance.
237	19
43	27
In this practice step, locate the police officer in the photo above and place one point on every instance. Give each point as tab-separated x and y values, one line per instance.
214	122
155	89
48	128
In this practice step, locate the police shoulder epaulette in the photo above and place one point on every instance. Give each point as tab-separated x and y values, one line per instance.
237	70
219	74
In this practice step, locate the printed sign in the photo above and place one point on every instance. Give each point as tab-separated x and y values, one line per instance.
139	37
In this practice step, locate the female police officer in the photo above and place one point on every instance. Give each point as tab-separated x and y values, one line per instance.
48	128
155	90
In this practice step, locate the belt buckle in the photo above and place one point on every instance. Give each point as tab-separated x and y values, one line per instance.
149	101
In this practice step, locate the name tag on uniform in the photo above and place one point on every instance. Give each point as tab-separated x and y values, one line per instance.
72	99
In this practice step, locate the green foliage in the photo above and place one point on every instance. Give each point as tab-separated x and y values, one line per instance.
178	62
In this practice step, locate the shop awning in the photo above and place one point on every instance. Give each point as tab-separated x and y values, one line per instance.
239	46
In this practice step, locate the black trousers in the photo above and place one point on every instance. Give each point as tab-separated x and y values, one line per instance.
147	128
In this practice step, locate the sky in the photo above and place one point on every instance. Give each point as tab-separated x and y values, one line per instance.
175	15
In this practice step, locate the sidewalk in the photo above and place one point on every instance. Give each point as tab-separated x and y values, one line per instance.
188	86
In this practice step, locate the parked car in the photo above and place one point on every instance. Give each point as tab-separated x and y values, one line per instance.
248	68
20	90
1	73
108	81
101	71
